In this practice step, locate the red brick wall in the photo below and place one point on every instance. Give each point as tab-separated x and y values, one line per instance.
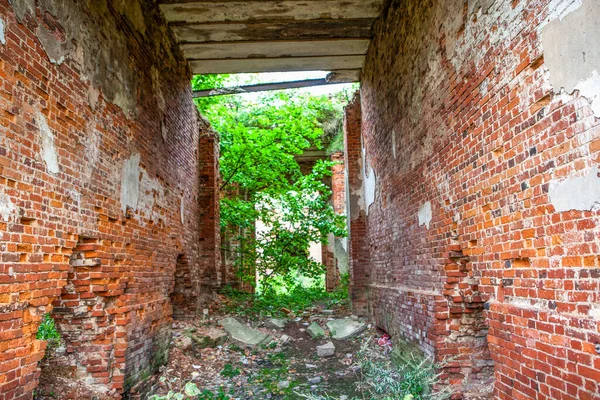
460	113
335	250
115	102
358	251
210	234
338	184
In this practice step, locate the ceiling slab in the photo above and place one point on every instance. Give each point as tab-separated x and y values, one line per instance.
236	66
235	11
290	30
341	47
232	36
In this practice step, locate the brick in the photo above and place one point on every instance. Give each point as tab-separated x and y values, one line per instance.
68	245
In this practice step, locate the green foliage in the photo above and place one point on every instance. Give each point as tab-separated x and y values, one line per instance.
191	391
229	371
296	299
201	82
269	377
381	379
260	138
47	329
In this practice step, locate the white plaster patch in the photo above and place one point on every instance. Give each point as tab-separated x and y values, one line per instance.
576	193
7	208
182	210
130	183
590	89
561	8
595	313
93	95
369	182
48	150
152	200
2	37
425	215
394	143
572	51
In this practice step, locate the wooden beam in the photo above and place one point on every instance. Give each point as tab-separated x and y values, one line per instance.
207	51
265	87
238	11
235	66
292	30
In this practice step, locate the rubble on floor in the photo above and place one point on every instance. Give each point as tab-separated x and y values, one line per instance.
243	335
345	328
261	360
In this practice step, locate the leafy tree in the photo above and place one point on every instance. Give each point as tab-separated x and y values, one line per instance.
262	181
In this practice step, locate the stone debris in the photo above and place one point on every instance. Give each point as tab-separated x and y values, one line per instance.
207	337
283	385
326	350
275	323
345	328
315	331
285	339
243	335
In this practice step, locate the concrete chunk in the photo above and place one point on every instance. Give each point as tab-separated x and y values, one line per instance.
315	331
275	323
345	328
326	350
243	335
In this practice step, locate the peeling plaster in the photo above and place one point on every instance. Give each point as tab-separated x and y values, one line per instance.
57	51
151	198
106	67
23	7
341	254
576	193
130	183
452	14
425	215
2	37
483	5
48	149
369	182
91	143
164	132
394	144
7	208
93	95
572	50
594	313
182	210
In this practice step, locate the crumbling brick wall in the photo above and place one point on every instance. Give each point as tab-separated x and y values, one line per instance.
356	204
480	126
338	247
99	187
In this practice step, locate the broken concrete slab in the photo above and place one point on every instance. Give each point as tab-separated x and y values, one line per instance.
345	328
208	337
326	350
243	335
315	331
275	323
